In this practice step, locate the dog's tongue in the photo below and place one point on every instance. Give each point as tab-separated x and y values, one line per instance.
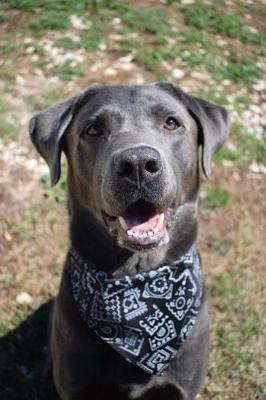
140	216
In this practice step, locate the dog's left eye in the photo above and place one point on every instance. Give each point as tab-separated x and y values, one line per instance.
171	124
91	130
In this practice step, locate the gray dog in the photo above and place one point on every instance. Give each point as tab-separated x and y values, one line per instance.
131	320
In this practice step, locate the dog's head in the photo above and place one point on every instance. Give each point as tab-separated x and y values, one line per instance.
133	155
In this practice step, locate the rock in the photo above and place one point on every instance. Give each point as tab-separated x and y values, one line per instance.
227	82
30	50
257	168
24	298
28	40
20	80
7	236
228	163
35	58
178	73
221	42
139	79
77	22
115	37
187	2
110	72
253	30
102	46
201	75
231	146
116	21
260	86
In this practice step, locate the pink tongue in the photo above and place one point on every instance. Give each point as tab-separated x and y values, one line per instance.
140	216
146	226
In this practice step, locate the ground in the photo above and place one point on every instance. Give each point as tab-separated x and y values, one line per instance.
48	51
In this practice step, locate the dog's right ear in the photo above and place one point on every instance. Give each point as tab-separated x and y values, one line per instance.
47	130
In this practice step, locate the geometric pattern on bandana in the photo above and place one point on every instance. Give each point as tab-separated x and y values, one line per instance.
145	317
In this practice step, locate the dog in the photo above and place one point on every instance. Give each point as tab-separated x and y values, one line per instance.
131	318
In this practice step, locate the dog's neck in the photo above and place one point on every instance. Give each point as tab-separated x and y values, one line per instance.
93	242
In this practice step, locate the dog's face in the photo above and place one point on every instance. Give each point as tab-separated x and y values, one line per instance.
132	154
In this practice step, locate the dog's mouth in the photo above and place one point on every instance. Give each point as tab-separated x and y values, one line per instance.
141	225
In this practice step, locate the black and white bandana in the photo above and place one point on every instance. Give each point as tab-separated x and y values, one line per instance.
145	317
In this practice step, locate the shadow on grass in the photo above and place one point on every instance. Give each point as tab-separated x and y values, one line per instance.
23	359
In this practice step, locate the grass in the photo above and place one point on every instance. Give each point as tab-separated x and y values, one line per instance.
57	193
67	43
3	106
50	20
3	18
193	35
215	197
232	230
248	148
148	20
236	338
152	60
8	131
40	102
67	71
93	37
239	69
213	18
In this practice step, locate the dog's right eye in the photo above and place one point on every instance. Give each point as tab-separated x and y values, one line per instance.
92	130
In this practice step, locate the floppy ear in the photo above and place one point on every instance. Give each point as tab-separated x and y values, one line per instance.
47	130
212	121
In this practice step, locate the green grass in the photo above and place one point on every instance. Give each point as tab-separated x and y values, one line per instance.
237	329
3	18
67	72
8	131
149	20
152	60
215	197
213	18
193	35
212	94
93	37
50	20
127	44
194	59
40	102
3	106
9	47
239	69
250	147
57	193
67	43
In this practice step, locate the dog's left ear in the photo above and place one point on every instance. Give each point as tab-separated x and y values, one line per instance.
47	130
212	121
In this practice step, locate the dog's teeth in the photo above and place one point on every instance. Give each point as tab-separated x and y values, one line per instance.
150	233
144	234
160	221
123	223
156	230
129	232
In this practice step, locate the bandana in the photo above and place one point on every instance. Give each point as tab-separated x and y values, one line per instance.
145	317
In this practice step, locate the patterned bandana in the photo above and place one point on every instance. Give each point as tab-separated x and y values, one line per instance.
145	317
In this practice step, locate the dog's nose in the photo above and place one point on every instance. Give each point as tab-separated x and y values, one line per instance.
138	165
